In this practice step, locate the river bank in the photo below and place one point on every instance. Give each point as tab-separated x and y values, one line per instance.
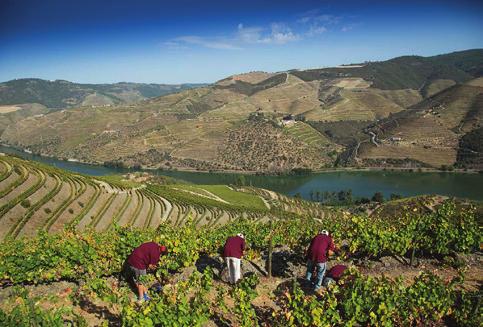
361	182
20	151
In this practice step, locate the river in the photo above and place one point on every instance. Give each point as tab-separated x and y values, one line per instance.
362	183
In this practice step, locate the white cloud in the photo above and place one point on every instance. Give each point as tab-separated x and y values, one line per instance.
280	34
316	30
317	22
309	24
249	34
315	16
212	43
349	27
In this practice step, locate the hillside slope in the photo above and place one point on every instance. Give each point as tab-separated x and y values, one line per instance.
238	120
432	131
65	94
35	197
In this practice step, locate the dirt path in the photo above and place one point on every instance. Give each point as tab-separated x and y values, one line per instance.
66	198
167	209
208	196
157	214
39	218
112	189
9	180
73	209
108	216
174	214
142	217
30	181
129	212
15	214
91	215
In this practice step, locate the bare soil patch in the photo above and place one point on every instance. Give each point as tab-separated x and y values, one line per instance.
108	216
38	219
90	216
73	209
7	109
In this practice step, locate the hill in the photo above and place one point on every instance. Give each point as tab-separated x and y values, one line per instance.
432	132
237	123
415	260
10	114
64	94
36	197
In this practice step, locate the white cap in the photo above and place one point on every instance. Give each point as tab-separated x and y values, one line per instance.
325	232
240	235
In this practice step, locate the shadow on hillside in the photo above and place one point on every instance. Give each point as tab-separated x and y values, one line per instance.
100	312
305	286
205	261
286	263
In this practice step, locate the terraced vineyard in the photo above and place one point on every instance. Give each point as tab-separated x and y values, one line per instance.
308	134
36	197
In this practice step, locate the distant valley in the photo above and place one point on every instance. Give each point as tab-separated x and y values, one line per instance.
411	111
60	94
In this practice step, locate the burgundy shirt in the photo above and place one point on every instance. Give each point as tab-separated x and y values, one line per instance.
144	255
336	271
319	247
234	247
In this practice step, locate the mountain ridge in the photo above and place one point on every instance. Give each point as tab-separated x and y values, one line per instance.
330	112
59	94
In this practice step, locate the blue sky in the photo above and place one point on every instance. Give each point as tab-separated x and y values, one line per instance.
203	41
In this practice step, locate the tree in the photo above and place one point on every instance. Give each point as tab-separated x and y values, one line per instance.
317	196
345	196
363	200
378	197
395	196
240	181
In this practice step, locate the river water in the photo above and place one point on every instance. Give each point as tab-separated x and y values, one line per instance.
362	183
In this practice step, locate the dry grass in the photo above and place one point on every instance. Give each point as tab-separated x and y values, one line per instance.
356	105
253	78
352	83
7	109
476	82
438	86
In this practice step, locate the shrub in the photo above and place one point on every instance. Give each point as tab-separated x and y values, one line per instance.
378	197
25	203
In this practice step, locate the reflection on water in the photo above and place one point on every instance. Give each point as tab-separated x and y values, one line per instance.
362	184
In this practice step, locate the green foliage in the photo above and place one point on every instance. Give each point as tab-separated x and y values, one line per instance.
233	200
369	301
243	294
378	197
468	310
241	181
75	255
407	72
301	310
449	229
25	203
89	256
184	304
28	312
61	94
